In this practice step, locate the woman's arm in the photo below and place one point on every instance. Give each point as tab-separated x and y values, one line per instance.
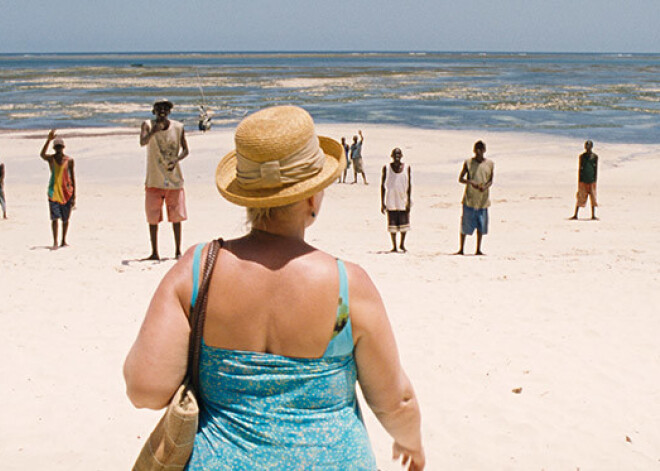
156	364
386	388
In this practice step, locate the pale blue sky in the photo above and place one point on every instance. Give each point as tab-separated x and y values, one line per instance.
356	25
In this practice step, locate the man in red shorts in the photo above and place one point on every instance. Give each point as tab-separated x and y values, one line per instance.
166	147
587	177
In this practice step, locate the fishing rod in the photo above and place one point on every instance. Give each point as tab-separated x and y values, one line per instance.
201	89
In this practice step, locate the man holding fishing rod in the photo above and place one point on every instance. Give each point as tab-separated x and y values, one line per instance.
166	147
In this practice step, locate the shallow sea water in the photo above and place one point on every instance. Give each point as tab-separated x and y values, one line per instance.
612	97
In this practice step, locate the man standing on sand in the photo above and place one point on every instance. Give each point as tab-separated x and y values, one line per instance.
166	146
3	204
587	177
61	186
356	157
395	190
479	172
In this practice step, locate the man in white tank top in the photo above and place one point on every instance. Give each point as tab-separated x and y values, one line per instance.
395	190
166	147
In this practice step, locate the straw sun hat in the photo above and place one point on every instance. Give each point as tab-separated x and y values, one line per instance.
278	159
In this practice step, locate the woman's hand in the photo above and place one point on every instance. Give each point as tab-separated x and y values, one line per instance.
413	458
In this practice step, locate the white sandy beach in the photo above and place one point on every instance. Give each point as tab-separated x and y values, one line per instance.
568	311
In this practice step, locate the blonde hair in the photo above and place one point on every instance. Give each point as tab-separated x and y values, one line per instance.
260	216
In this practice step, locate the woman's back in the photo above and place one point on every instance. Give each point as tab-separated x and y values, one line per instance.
272	294
263	409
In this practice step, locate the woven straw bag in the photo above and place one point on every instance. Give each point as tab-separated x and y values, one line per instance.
170	445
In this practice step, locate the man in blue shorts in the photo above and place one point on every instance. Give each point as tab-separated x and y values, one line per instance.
477	176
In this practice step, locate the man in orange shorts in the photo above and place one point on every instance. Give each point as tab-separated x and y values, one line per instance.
587	177
166	147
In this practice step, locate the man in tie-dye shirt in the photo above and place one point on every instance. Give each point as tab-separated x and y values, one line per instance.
61	186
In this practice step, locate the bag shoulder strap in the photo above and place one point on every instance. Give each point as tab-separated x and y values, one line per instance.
198	316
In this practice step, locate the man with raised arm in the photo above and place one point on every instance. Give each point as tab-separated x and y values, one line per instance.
61	186
356	158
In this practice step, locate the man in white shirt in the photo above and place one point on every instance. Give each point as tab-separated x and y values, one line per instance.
395	190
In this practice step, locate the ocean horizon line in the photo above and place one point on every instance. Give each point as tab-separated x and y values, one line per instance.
329	51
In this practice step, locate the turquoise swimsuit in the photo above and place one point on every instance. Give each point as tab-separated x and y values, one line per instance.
261	411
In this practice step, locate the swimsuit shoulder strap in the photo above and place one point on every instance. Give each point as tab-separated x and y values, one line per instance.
342	335
197	259
343	288
197	268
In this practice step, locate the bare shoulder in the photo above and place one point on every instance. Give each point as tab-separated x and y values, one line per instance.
182	267
318	264
367	311
357	275
363	293
179	277
185	263
186	260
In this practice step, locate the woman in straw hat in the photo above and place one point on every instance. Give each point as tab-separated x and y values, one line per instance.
280	354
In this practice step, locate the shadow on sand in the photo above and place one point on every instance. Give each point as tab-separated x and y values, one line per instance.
134	261
47	247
